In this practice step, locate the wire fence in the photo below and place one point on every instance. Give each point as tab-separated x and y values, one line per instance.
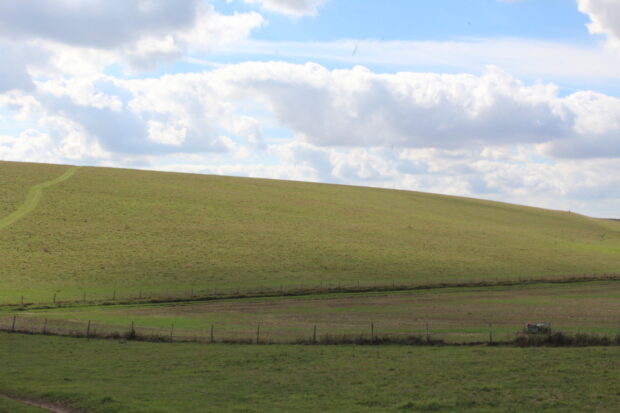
309	334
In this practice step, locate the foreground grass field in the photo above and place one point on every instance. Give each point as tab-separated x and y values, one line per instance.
453	314
11	406
108	376
112	229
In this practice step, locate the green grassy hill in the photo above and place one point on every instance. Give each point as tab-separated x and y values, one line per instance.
105	229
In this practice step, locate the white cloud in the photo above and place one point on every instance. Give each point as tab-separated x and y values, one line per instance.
294	8
596	128
103	24
359	108
248	128
30	145
605	18
13	70
166	133
353	108
51	38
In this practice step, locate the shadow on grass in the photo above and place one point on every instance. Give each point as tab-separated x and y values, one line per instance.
557	339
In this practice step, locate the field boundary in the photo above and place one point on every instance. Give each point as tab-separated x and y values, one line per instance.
522	339
308	290
33	197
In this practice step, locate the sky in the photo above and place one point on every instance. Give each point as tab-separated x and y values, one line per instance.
509	100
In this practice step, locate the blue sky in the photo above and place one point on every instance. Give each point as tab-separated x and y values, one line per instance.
515	101
427	20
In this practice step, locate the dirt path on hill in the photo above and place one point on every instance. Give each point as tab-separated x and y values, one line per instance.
41	404
33	198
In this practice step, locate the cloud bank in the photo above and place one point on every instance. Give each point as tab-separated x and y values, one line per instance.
335	108
47	38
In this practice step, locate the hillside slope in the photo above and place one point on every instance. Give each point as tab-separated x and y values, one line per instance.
16	178
114	228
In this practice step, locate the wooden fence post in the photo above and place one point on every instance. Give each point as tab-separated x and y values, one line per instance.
171	332
428	337
314	335
490	333
54	299
258	333
13	325
212	333
45	326
372	332
88	330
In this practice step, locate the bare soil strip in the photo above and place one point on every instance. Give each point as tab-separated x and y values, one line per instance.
41	404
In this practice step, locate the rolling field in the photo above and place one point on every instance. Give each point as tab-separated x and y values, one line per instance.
112	229
453	314
107	376
81	235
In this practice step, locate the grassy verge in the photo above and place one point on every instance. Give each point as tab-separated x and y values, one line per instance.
106	376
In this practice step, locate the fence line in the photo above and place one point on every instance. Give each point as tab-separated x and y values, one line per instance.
206	294
261	335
